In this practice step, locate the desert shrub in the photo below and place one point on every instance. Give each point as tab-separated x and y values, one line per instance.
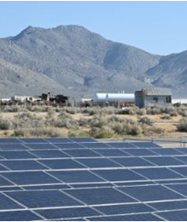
98	121
19	133
77	133
66	123
70	110
11	109
51	111
154	110
166	116
83	122
146	120
112	119
182	126
44	132
101	133
64	115
141	112
5	124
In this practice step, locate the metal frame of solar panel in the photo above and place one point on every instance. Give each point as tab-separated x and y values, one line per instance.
83	179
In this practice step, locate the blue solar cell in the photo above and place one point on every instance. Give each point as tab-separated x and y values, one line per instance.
4	182
25	215
182	158
98	163
181	188
35	199
75	176
166	152
32	140
132	161
49	154
181	170
62	164
81	153
158	173
124	209
182	150
146	145
28	178
164	161
118	175
38	146
2	168
177	181
173	205
6	203
136	183
135	217
112	152
121	145
140	152
67	213
13	147
151	193
69	146
83	140
58	140
100	196
23	165
17	155
179	215
95	145
9	140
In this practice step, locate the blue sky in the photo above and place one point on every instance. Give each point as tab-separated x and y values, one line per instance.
156	27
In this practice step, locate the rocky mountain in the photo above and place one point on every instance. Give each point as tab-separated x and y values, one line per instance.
74	61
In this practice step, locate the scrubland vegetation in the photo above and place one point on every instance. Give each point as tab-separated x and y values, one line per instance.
46	121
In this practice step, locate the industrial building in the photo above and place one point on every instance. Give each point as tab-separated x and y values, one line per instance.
153	96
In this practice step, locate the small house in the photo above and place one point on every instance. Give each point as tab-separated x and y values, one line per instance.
152	97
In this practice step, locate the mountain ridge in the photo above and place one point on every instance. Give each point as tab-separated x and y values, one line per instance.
74	61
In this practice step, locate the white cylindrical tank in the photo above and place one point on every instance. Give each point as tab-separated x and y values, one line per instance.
99	97
120	97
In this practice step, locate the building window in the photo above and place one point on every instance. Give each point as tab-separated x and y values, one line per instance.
155	99
168	99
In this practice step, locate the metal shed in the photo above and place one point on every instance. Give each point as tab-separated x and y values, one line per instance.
153	96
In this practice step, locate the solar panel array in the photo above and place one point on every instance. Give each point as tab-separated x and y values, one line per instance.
82	179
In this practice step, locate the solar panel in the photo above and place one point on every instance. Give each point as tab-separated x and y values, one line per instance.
112	152
158	173
119	175
7	203
151	193
138	217
33	140
81	153
83	140
62	164
23	165
69	145
38	146
36	199
98	163
146	145
13	147
49	154
132	161
75	176
17	215
27	178
178	215
96	196
81	179
164	161
121	145
68	212
17	155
